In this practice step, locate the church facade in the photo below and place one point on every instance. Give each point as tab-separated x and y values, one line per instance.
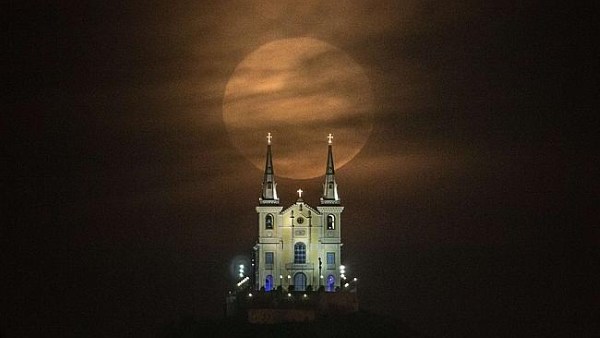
299	245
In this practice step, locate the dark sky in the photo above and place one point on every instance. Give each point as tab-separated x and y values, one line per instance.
471	210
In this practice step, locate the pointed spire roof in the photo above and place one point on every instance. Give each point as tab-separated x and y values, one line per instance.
330	167
330	194
269	187
269	162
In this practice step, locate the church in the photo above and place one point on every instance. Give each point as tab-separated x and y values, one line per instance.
298	247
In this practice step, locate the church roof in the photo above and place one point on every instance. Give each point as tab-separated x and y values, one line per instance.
305	205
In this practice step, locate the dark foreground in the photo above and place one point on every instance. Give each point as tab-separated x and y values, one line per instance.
359	324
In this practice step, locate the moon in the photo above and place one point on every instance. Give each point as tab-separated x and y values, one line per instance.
299	90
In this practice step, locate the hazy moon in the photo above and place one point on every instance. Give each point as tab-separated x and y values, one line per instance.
299	90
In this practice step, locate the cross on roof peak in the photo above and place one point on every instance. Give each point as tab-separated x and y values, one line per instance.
329	138
299	191
269	137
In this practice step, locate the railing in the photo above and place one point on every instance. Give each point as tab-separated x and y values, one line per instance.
299	266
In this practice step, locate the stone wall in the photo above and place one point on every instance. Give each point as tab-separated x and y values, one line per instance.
337	303
273	307
273	316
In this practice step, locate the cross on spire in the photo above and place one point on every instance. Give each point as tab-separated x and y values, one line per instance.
330	195
299	191
269	190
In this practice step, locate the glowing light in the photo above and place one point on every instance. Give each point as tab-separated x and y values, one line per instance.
299	191
250	295
346	285
305	80
329	138
289	294
269	137
241	271
304	295
355	279
240	283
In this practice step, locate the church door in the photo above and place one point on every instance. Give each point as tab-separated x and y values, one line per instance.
330	283
269	283
299	282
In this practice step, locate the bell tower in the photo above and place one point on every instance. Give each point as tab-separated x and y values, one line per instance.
331	210
268	248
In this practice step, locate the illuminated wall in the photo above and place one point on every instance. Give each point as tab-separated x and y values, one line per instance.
284	233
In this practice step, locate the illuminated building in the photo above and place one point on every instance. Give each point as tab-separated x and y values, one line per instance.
298	246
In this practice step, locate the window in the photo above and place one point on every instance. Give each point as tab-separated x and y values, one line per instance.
269	283
269	222
268	258
330	222
300	253
331	258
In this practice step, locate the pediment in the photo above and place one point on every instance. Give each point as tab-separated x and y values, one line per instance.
300	208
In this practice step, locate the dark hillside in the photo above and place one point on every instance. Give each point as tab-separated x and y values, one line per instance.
360	324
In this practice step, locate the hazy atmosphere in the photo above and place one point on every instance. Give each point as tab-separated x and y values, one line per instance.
135	139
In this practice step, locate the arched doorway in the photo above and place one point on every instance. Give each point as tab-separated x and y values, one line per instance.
330	287
269	283
299	282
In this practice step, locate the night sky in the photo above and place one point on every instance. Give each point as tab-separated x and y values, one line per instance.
470	211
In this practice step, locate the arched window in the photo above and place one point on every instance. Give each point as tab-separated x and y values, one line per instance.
269	221
330	287
330	222
269	283
300	253
299	282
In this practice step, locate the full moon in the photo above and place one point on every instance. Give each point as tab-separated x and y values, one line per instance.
299	90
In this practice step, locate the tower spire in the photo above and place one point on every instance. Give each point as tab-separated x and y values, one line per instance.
330	194
269	187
